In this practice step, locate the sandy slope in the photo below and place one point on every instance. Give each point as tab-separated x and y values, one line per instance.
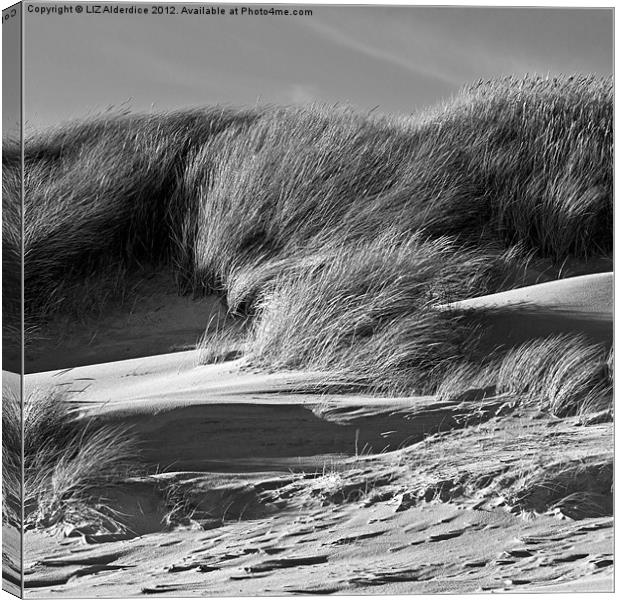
398	522
575	305
296	492
342	548
587	295
11	536
579	304
154	320
221	416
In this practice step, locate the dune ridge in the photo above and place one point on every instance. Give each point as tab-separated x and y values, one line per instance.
370	382
468	190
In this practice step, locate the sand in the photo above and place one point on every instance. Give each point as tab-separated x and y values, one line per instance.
11	536
581	305
294	492
153	320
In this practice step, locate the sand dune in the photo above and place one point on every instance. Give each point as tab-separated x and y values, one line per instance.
582	305
365	524
156	320
222	417
590	295
226	416
152	383
579	304
335	549
323	234
296	492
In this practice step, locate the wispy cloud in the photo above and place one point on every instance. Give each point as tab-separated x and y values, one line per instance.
381	48
300	93
394	57
450	47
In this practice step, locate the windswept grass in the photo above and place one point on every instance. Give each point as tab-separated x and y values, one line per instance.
11	458
563	375
67	462
516	160
270	207
366	314
520	463
334	235
579	488
103	193
221	342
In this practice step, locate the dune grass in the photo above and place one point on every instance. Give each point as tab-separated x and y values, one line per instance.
579	488
11	458
222	340
519	462
333	231
516	160
67	462
366	314
563	375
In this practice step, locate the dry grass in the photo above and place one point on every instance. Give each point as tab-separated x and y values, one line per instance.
273	207
66	461
334	232
514	461
579	488
466	375
365	314
221	341
11	458
518	461
563	375
235	200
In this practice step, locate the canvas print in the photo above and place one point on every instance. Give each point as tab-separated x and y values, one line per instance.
307	299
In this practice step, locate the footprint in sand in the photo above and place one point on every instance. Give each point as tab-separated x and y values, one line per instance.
569	558
602	563
351	539
286	563
448	535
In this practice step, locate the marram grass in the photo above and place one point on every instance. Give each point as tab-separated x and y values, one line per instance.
336	233
67	462
217	192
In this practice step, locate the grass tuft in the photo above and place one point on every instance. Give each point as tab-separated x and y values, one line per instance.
576	488
366	314
67	462
564	375
238	202
222	342
11	458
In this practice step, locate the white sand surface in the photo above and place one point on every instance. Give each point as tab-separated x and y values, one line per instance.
590	295
150	384
578	305
298	492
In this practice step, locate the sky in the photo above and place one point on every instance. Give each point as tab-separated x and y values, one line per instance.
392	59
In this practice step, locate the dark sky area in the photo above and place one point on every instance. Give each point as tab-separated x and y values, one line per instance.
394	58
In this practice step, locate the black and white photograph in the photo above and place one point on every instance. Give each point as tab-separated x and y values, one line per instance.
307	299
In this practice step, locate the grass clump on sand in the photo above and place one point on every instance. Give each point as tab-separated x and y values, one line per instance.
564	375
249	204
11	459
222	342
366	314
67	463
578	488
